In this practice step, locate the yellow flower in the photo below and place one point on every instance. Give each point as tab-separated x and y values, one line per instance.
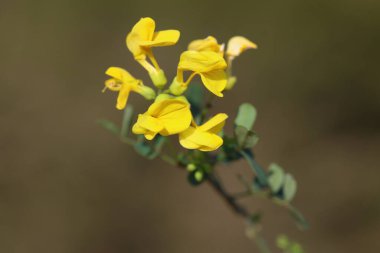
204	137
238	44
143	37
209	65
124	83
140	42
165	116
207	44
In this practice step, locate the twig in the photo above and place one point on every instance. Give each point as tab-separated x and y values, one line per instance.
230	200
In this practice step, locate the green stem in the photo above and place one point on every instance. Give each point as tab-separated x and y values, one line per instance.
170	160
261	244
260	173
206	108
127	140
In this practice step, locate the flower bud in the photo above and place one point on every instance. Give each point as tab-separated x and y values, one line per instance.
191	167
231	82
198	175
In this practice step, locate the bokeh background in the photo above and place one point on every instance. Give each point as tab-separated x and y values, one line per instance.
67	185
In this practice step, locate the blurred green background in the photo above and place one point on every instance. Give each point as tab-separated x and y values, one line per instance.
67	185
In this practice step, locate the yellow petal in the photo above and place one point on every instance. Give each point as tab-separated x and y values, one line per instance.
173	115
144	28
166	106
142	31
163	38
215	81
120	74
204	141
185	141
207	44
150	135
137	129
177	121
201	61
238	44
215	124
149	123
123	97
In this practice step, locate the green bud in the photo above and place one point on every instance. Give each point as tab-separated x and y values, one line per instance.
198	175
296	248
251	232
191	167
231	82
282	242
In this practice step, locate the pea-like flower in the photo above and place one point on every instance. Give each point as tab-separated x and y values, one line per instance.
209	65
166	116
123	82
207	44
238	44
204	137
142	39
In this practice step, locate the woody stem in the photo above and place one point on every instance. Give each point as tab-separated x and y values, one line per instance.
229	199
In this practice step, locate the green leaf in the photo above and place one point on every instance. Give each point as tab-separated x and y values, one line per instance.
290	187
127	120
256	168
276	177
251	140
241	135
245	138
109	126
246	116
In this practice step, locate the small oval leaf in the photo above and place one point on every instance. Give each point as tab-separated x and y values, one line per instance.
290	187
276	177
241	135
246	116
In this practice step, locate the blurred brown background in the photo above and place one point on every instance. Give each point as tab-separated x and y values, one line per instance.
67	185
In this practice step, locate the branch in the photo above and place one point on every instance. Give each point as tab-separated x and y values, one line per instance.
229	199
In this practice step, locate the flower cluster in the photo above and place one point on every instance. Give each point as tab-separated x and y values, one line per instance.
170	112
181	109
